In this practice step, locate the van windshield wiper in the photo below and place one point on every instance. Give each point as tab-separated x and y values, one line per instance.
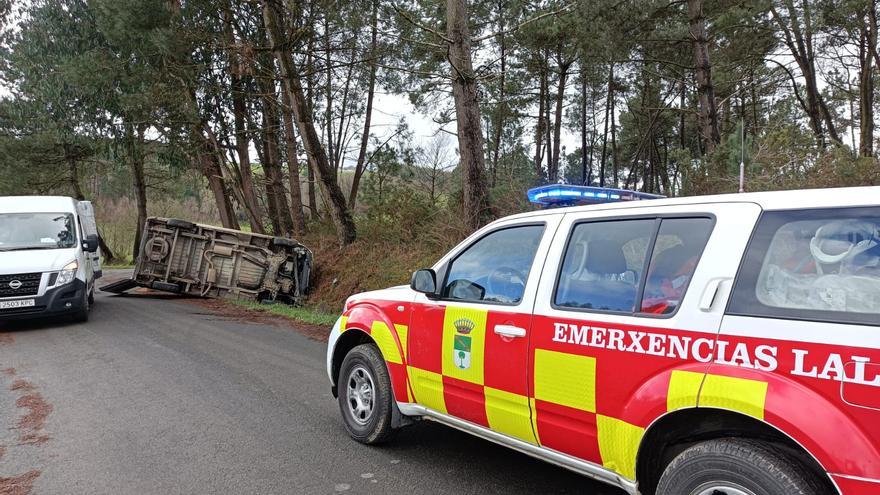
26	248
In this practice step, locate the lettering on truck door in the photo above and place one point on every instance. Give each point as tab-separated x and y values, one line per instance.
625	323
468	351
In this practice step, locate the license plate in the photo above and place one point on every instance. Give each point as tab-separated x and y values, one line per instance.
20	303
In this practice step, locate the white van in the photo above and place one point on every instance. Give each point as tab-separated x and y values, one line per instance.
49	257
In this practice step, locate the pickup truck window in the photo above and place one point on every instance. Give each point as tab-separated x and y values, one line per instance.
494	268
821	265
603	265
605	262
679	244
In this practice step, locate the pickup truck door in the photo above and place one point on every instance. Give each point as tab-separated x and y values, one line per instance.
468	350
602	370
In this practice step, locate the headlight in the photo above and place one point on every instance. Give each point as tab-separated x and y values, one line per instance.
67	273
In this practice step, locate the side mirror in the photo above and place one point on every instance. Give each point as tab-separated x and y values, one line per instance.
424	281
90	244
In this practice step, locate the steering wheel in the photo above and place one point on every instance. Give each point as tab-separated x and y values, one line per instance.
504	281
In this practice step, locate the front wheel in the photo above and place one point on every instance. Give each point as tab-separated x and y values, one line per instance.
365	396
731	466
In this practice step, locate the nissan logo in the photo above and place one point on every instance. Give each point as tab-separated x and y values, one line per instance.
15	284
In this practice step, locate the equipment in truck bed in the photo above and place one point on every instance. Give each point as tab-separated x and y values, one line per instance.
201	260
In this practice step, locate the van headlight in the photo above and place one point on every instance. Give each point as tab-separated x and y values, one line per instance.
67	274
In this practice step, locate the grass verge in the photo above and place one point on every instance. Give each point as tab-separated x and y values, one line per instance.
304	314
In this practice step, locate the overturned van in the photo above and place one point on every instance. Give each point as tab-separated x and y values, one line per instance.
201	260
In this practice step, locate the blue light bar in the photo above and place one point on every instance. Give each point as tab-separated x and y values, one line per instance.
553	195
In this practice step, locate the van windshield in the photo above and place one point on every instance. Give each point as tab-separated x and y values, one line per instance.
22	231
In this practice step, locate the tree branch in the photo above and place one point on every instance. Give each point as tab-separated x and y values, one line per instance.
523	24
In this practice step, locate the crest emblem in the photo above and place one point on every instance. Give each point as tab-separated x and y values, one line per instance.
461	343
15	284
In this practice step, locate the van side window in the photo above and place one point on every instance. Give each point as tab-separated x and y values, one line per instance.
494	268
821	265
603	265
679	244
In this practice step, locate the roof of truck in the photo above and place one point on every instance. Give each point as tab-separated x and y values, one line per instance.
37	204
774	200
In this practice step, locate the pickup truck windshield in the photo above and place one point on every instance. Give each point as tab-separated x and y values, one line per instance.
22	231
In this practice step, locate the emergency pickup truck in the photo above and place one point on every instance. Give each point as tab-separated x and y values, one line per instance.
716	345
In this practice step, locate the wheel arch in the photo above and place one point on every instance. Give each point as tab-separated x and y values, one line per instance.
347	341
674	431
365	323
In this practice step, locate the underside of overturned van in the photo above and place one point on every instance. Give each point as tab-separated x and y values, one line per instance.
201	260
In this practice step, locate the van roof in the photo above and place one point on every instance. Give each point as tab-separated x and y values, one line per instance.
772	200
37	204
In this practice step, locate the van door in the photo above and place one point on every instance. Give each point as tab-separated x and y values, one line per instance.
625	321
468	350
86	213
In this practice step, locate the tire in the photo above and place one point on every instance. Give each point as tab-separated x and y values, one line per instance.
180	224
284	242
731	466
363	371
81	315
91	298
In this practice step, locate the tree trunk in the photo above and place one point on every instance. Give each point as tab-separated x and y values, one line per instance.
277	198
339	213
501	110
583	127
615	158
371	91
136	159
867	45
557	124
239	110
539	127
296	209
800	43
605	130
703	70
467	111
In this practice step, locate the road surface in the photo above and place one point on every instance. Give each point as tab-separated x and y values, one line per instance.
155	395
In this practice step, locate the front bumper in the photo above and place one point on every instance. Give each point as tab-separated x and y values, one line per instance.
56	301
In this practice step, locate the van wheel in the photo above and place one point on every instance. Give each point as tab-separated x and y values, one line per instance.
180	224
82	314
731	466
365	396
284	242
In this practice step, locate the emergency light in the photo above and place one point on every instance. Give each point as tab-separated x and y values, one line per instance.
557	195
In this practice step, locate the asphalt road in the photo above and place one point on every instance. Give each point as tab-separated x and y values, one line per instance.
158	395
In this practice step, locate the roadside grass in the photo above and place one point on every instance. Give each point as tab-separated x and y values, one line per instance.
117	266
304	314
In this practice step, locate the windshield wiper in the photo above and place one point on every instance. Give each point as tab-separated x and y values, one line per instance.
27	248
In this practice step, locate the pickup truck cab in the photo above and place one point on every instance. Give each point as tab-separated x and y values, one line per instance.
49	257
716	345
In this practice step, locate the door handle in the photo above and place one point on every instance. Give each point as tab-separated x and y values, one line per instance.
711	293
510	331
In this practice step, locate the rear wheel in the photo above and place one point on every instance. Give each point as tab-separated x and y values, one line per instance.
180	224
365	396
284	242
731	466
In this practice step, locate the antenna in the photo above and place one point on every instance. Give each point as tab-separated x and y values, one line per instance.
742	160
